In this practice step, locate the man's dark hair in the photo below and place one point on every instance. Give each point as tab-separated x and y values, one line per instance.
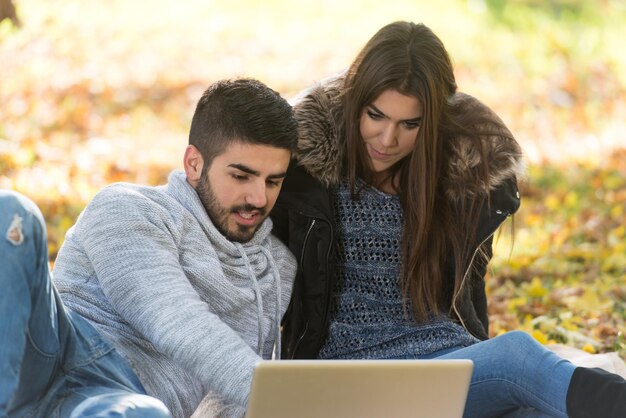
242	110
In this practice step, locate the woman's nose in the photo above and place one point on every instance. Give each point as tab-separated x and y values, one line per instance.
389	136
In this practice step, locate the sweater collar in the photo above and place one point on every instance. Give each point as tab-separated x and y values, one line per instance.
186	195
249	259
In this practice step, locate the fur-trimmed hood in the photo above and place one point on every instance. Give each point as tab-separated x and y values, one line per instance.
321	146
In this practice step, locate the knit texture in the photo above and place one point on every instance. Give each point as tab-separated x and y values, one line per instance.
369	320
191	311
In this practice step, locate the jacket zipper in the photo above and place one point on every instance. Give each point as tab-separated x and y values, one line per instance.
306	325
469	266
306	240
297	345
328	292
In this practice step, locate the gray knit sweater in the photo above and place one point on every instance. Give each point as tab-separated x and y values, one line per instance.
370	318
191	311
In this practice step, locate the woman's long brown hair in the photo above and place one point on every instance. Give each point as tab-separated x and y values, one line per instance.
412	60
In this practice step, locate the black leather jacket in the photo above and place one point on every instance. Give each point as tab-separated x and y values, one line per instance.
304	220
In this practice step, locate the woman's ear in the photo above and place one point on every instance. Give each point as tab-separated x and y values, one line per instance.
193	163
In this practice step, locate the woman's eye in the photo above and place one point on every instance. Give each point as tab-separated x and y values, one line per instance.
373	115
411	125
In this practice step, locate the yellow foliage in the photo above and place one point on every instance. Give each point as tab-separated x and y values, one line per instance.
543	247
24	156
517	302
620	247
613	182
540	337
552	202
589	348
617	212
569	325
558	239
534	219
536	289
544	323
616	260
571	200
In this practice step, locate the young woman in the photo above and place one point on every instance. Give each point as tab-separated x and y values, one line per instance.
398	186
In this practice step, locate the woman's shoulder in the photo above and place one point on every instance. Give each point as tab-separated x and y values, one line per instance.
318	111
484	143
323	92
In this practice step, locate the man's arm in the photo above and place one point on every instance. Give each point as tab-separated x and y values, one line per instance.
133	246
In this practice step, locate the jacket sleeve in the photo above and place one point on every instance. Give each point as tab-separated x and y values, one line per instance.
133	249
504	201
478	295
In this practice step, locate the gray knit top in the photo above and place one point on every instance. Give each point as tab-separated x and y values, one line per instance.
369	321
191	311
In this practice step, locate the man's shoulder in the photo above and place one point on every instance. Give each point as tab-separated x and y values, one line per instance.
125	191
128	201
131	195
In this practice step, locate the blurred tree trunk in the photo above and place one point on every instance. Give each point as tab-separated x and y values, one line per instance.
7	11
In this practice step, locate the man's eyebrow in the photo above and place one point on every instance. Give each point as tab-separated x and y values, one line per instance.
377	110
253	172
245	169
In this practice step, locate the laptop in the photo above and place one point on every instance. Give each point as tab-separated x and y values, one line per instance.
359	388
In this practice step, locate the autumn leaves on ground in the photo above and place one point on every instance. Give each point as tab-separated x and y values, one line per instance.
103	91
564	281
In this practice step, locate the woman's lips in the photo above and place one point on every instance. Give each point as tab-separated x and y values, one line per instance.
379	155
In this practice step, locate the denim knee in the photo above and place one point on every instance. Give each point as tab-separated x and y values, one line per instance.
514	340
12	202
23	241
22	224
116	405
515	347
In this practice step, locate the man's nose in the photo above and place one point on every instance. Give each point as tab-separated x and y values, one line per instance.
257	195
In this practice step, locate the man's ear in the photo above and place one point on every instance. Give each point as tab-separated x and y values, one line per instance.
193	163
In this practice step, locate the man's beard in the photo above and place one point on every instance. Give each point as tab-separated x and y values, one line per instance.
219	214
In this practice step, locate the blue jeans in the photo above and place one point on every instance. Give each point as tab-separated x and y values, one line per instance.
53	363
514	376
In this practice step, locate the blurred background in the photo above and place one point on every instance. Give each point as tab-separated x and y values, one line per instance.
95	91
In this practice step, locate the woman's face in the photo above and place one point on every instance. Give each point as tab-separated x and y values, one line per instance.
389	127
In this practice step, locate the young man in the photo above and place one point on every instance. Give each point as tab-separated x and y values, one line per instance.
162	295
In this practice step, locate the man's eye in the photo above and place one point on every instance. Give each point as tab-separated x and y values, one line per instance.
239	177
273	183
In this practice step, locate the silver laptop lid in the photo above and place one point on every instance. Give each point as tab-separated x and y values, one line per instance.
359	389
